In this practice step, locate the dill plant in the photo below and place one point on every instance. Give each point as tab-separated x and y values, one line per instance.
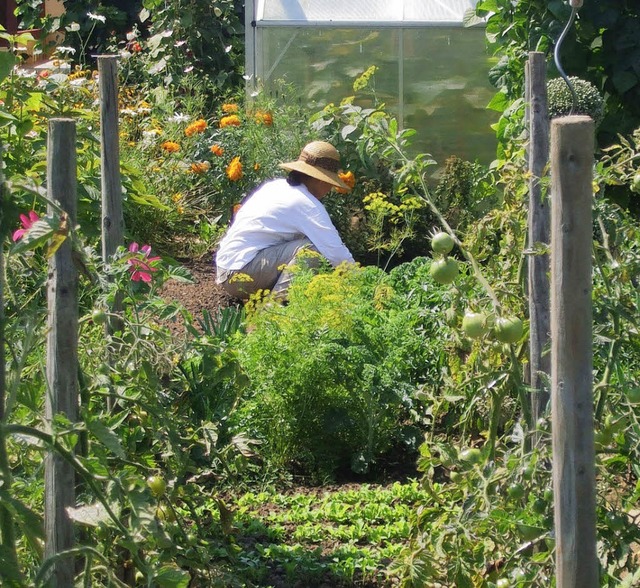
335	373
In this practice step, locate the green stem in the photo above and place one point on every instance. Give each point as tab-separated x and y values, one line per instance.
603	384
615	345
496	404
516	379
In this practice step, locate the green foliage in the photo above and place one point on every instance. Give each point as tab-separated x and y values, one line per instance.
207	37
618	172
560	99
462	192
334	373
601	47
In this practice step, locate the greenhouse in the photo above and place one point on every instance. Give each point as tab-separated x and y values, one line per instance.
432	70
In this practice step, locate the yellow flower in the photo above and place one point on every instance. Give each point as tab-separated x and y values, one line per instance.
198	126
349	179
177	197
180	209
234	169
199	168
217	150
233	120
230	108
170	146
256	166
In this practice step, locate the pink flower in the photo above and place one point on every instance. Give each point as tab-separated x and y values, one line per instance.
27	222
140	264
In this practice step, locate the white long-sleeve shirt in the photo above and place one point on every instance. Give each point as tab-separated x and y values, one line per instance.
275	213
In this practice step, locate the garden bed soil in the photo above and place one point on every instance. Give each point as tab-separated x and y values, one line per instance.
202	294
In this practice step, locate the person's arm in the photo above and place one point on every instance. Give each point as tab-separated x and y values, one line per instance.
317	226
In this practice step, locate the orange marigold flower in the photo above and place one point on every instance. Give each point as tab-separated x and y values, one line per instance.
217	150
265	118
349	179
234	169
233	120
230	108
199	168
170	146
198	126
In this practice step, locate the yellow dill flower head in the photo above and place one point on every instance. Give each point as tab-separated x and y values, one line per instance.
233	120
234	169
198	126
170	146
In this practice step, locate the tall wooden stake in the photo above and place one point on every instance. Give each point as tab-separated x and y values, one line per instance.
539	236
572	146
112	214
62	349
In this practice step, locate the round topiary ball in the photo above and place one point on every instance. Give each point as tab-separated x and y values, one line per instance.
560	100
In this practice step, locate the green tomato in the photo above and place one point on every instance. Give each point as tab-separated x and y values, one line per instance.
474	324
471	455
614	521
444	270
539	506
99	316
508	329
515	491
503	583
164	513
455	477
635	183
442	243
157	485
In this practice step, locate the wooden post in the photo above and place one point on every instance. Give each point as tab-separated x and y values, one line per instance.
572	147
539	236
62	348
112	217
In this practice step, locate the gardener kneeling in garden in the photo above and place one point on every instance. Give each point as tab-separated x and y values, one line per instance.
280	220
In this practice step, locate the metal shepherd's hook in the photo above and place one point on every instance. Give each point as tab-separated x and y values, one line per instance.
575	4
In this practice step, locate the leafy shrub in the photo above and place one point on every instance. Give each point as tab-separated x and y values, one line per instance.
560	99
335	373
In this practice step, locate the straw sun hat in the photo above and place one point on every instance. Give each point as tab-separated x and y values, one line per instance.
319	160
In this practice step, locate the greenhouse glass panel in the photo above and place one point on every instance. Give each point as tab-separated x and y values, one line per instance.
432	74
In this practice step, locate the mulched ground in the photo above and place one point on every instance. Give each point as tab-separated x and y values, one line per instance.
203	294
